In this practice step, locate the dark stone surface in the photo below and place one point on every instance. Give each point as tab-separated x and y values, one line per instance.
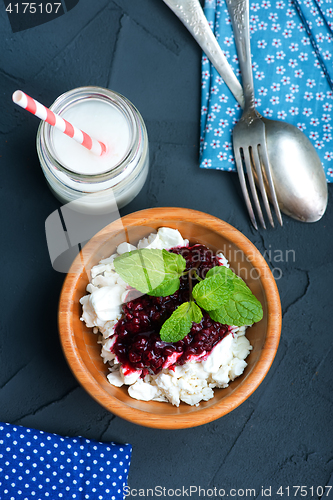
282	435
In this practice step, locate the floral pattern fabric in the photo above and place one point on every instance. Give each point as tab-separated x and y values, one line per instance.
289	82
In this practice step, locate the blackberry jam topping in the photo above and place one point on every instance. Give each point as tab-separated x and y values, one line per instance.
138	344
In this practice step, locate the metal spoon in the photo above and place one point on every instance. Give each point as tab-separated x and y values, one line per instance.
297	172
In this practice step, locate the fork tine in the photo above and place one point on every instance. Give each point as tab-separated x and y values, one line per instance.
257	166
247	160
268	173
241	176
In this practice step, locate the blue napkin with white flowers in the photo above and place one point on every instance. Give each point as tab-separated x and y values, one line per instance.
289	82
39	465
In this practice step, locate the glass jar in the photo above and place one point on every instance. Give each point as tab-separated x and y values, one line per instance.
96	193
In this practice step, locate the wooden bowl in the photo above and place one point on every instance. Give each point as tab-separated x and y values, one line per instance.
80	344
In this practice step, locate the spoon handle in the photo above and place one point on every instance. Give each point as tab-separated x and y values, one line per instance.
192	16
239	12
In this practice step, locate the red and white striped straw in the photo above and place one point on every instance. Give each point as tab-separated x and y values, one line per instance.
37	109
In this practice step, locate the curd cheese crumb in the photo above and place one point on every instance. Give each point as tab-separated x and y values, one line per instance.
143	391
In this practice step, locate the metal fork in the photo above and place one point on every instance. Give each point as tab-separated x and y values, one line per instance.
249	139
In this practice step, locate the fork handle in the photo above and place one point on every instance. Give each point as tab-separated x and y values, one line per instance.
192	16
239	11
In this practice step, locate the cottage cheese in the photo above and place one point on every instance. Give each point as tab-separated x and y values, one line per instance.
192	382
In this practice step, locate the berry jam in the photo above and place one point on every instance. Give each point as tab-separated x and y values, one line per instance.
138	344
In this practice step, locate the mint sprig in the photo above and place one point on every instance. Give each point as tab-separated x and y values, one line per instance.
234	305
223	294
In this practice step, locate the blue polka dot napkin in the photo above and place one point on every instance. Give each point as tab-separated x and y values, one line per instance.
289	82
39	465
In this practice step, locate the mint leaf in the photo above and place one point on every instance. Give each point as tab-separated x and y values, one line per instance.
229	276
241	309
195	312
152	271
167	287
223	270
174	266
179	324
213	291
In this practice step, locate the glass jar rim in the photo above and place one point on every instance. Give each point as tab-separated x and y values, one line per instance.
69	98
